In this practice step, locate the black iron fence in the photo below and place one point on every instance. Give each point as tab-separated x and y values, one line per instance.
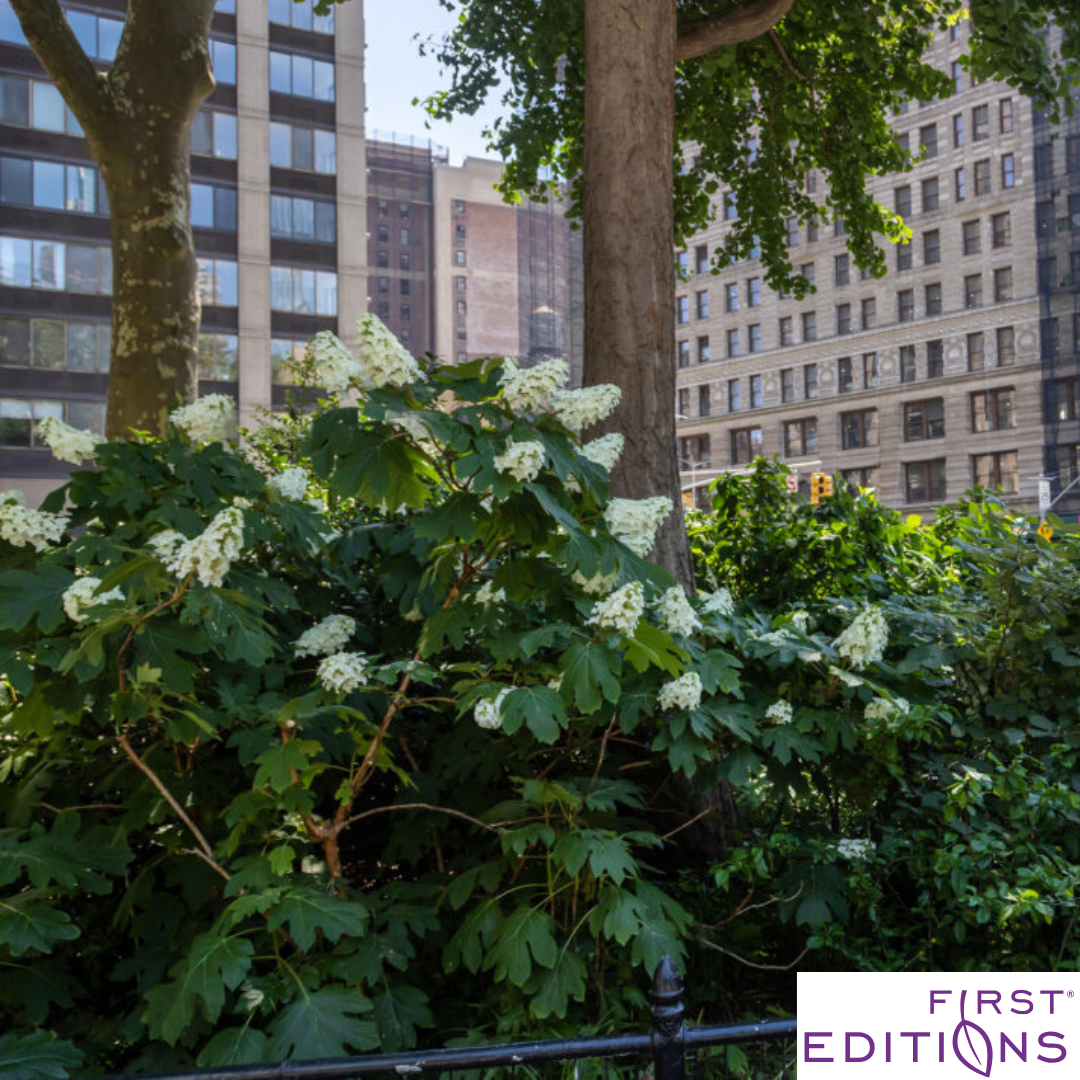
670	1050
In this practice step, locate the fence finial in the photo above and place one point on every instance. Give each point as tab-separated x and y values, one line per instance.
667	1021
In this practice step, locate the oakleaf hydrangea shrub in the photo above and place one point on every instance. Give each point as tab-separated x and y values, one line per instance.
926	678
380	730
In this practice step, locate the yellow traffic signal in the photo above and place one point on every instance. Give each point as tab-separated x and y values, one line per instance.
1044	530
821	486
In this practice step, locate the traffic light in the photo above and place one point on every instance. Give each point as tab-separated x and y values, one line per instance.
821	486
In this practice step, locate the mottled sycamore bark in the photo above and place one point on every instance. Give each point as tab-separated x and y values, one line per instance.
628	221
137	118
631	51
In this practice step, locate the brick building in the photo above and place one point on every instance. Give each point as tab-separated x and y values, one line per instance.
278	209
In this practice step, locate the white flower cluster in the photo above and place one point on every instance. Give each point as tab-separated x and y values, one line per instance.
210	554
864	641
676	614
779	712
21	526
343	672
721	602
333	367
579	409
83	593
521	460
210	419
384	360
487	594
164	544
855	849
598	584
525	389
488	711
883	709
681	693
621	610
290	484
604	451
635	521
801	620
326	637
68	443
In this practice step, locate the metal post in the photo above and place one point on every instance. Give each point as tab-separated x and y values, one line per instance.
667	1022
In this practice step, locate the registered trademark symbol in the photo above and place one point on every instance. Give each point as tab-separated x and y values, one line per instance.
1070	993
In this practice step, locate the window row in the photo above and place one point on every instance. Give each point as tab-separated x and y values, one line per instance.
298	14
303	291
296	218
53	264
990	410
924	481
382	287
218	356
971	296
213	206
301	76
213	133
294	146
382	261
55	345
382	235
217	281
35	104
864	373
52	185
1045	164
971	242
100	36
20	417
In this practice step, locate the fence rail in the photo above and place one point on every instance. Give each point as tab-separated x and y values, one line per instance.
665	1046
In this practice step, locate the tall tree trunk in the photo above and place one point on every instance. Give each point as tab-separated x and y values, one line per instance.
137	120
629	254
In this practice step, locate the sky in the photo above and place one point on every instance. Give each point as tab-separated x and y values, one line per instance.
395	73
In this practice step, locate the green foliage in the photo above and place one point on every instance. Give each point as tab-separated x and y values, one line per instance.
951	762
819	94
214	851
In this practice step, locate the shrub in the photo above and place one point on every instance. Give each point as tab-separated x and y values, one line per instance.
384	730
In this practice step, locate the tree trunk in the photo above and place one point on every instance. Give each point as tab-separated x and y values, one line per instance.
155	312
629	246
137	119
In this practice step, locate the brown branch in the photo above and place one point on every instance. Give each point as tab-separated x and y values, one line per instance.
215	866
686	824
138	624
750	963
600	757
76	809
80	84
732	28
421	806
207	850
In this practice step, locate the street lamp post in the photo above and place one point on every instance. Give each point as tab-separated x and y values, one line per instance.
693	467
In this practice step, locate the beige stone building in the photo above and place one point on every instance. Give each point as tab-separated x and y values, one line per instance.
959	366
278	210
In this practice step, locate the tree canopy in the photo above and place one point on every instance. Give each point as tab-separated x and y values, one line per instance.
816	91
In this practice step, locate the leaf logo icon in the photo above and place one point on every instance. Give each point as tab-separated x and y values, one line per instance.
971	1044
